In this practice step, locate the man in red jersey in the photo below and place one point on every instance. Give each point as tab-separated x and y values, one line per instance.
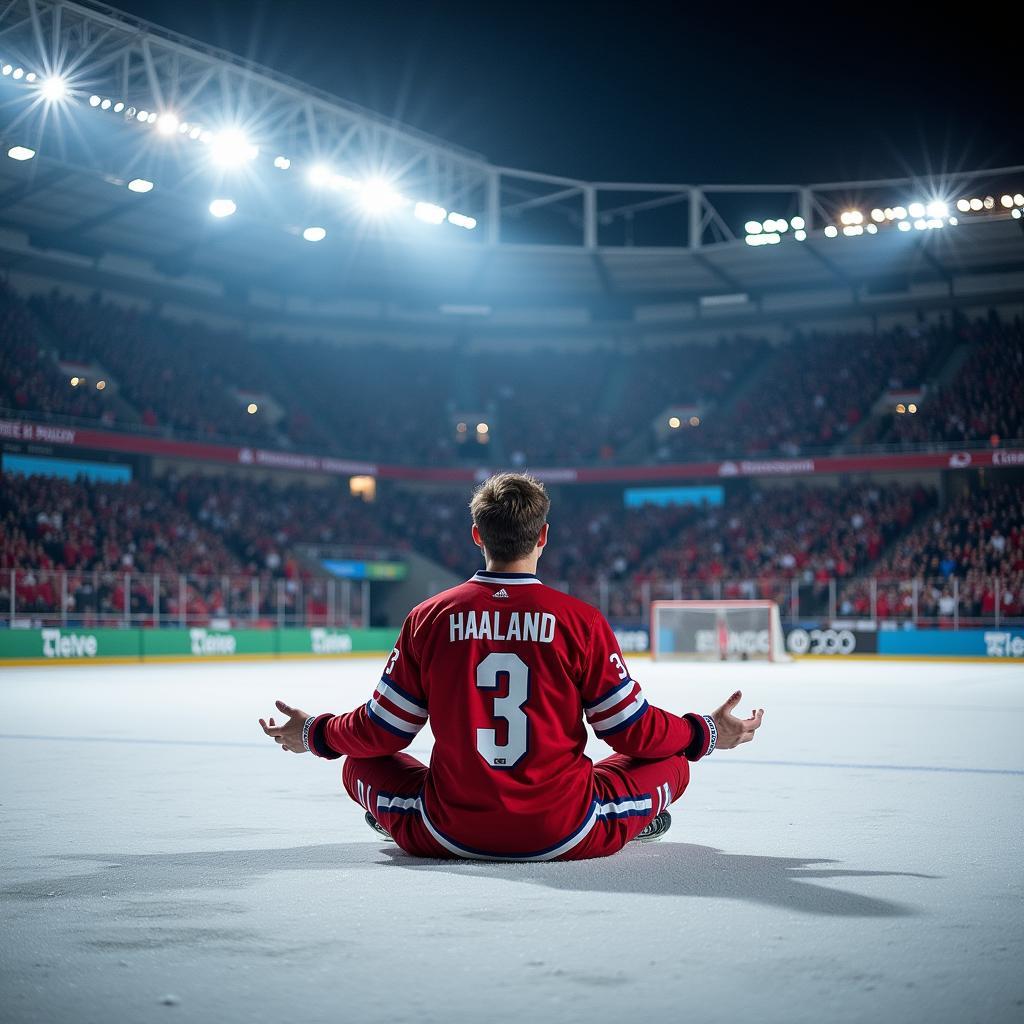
506	669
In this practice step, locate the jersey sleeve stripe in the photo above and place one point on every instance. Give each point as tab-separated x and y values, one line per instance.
384	718
397	697
610	699
625	718
388	681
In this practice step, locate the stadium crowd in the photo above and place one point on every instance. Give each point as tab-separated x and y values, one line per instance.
389	403
242	541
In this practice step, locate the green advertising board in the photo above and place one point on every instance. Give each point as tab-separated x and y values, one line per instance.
80	644
69	644
201	642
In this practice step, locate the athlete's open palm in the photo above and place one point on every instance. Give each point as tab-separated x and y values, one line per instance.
733	731
287	734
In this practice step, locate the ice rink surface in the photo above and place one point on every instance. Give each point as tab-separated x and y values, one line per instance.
861	861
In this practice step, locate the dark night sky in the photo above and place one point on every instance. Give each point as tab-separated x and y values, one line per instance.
652	91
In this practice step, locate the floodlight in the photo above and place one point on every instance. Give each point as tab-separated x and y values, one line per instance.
378	196
118	107
963	205
798	223
899	212
953	221
878	215
1007	201
872	229
7	69
94	101
231	148
18	73
782	224
53	88
752	227
976	205
21	153
319	174
904	225
167	124
195	132
430	213
937	208
920	224
460	220
151	117
916	209
800	235
1019	199
282	163
31	76
853	229
105	105
140	185
831	231
1015	213
675	422
314	234
222	207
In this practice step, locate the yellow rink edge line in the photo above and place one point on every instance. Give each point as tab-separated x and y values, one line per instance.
196	659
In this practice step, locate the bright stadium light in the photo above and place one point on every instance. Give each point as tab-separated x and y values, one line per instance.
831	231
782	224
140	185
319	175
963	205
53	88
231	148
1019	198
21	153
18	74
222	207
899	213
282	163
752	227
800	235
314	234
105	105
920	224
430	213
94	101
378	196
118	106
7	69
976	205
937	208
798	223
904	225
878	215
1015	213
167	124
1006	201
460	220
916	210
151	117
871	229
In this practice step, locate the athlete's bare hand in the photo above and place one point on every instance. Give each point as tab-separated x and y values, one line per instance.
287	734
733	731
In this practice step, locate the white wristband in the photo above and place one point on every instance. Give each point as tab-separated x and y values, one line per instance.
305	731
712	729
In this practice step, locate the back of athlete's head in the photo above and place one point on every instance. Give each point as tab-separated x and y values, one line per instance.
509	510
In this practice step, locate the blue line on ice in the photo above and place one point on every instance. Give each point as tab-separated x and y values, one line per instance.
730	760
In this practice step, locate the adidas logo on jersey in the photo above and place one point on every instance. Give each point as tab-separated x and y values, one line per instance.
500	593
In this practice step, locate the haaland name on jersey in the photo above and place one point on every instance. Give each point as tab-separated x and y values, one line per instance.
538	627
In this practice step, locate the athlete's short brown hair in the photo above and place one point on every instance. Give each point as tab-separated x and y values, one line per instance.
509	510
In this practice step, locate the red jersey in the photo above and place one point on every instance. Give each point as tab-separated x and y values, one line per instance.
507	669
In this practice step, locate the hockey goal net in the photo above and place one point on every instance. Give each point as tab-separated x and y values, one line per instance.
717	631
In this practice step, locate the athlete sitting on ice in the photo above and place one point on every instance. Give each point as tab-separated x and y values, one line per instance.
506	669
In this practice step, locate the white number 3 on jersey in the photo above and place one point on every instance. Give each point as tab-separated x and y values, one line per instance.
509	754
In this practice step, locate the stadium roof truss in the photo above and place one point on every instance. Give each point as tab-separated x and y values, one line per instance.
538	233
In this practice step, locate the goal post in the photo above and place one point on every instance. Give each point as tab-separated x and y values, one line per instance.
717	631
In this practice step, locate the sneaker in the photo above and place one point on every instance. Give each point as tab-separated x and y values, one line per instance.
655	829
380	829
